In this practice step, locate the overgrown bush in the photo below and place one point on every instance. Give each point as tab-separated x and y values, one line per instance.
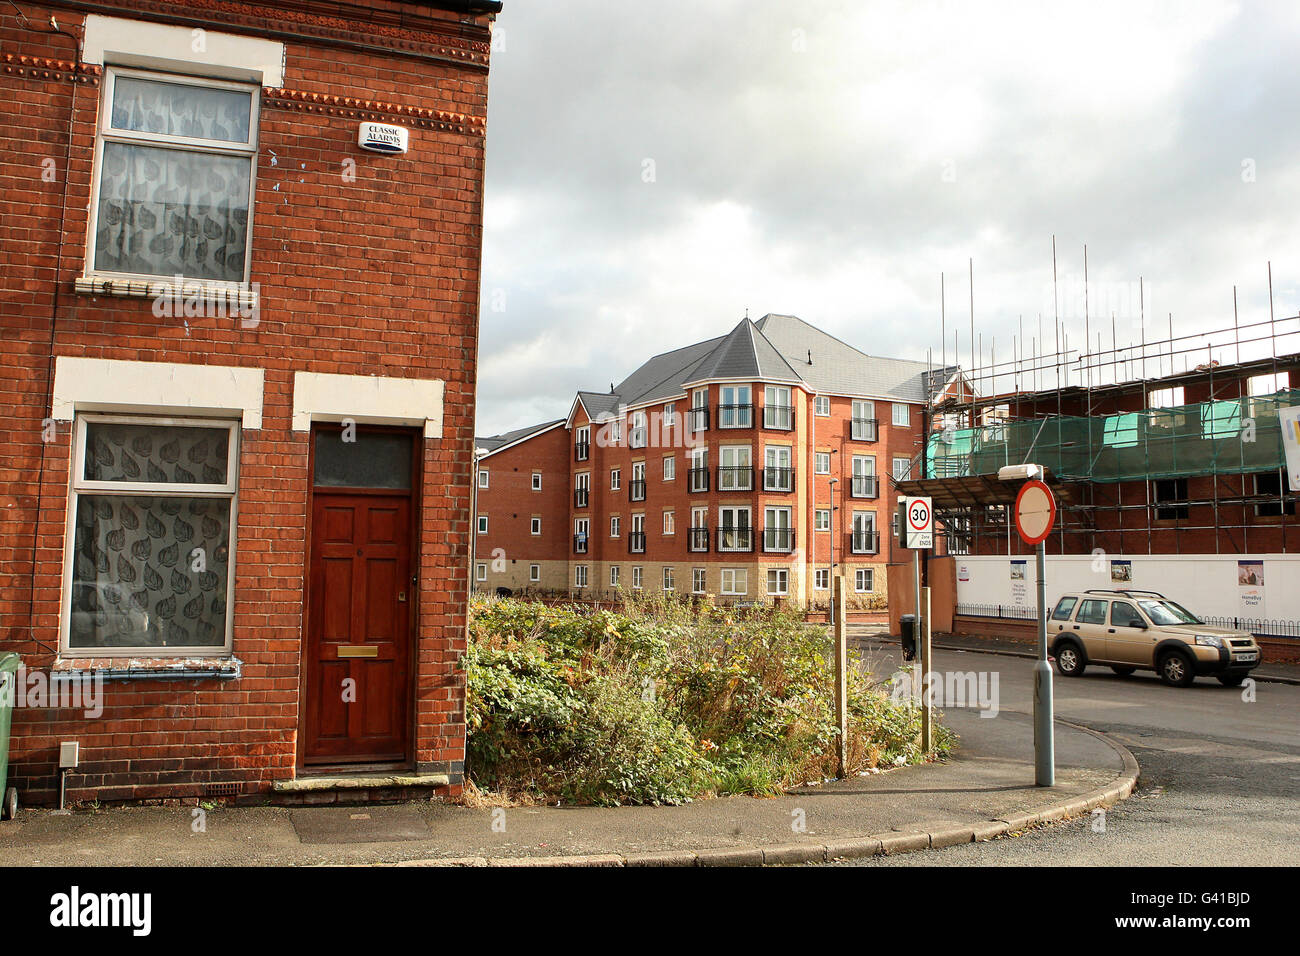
663	701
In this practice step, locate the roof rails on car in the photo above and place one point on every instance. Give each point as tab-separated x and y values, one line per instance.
1124	591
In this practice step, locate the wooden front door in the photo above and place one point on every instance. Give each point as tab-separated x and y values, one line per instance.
357	663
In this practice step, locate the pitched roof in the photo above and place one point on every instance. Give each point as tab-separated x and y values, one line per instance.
496	442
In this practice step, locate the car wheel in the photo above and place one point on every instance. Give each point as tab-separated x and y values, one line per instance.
1123	671
1176	669
1231	680
1069	660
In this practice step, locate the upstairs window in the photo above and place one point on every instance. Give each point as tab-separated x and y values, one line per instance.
822	406
902	415
174	178
482	477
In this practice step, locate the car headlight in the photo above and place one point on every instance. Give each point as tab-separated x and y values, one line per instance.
1210	640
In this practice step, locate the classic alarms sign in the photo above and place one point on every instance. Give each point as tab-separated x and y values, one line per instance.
382	137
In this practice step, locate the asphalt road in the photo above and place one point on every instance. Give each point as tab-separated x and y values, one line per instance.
1220	781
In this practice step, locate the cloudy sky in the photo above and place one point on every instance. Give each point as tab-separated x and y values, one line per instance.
655	169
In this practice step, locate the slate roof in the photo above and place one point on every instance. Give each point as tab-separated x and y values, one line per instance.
494	442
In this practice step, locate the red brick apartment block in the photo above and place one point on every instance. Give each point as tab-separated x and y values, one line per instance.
238	382
730	468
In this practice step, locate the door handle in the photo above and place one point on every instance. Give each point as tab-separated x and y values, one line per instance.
1076	627
1110	630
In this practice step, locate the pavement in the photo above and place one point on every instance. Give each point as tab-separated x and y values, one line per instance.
984	791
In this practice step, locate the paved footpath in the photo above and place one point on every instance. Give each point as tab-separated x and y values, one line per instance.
985	790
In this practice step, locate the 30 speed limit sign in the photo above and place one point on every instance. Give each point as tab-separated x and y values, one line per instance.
918	523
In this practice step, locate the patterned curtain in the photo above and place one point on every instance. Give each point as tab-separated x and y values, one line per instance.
136	579
165	211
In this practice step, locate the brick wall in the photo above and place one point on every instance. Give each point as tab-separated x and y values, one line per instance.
372	275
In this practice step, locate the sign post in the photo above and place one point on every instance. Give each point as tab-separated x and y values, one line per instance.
916	531
1035	514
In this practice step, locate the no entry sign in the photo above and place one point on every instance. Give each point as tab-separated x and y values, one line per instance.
1035	512
918	523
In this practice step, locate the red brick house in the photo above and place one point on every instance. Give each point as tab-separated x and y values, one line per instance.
738	467
239	315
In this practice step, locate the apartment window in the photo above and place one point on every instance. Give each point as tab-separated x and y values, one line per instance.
581	489
580	575
1166	397
698	416
902	414
637	433
778	532
902	467
822	579
863	425
864	580
697	476
863	539
636	537
534	573
668	579
778	580
734	531
636	577
670	468
864	476
699	580
535	525
822	462
175	160
615	479
1270	483
613	575
615	526
1168	492
582	443
670	414
822	519
482	477
778	475
581	534
736	471
822	406
636	490
482	524
735	581
480	571
152	545
614	430
778	410
736	409
893	524
670	524
537	481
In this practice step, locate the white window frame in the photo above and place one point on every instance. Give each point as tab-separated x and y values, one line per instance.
483	478
480	571
615	526
901	415
613	575
537	481
817	519
670	468
822	406
821	579
615	479
870	574
739	581
821	458
580	575
482	524
78	485
670	523
669	578
699	580
105	133
534	573
535	525
638	576
903	474
783	581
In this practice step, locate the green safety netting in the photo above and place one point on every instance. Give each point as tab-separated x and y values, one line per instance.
1223	437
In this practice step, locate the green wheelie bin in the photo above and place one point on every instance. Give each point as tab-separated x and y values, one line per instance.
9	664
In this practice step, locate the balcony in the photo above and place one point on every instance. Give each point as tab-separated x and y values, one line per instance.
864	429
865	486
579	544
697	479
697	539
864	542
735	416
697	419
778	416
636	542
778	539
580	497
735	478
778	479
735	539
636	489
582	450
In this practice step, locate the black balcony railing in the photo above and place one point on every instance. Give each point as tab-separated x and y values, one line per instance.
582	450
778	539
865	486
697	539
864	542
579	544
636	489
778	416
778	479
863	429
735	416
735	539
697	419
697	479
735	478
580	496
636	542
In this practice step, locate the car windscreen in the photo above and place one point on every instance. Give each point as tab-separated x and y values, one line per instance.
1167	613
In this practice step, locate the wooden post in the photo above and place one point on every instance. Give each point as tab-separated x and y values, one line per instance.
841	632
